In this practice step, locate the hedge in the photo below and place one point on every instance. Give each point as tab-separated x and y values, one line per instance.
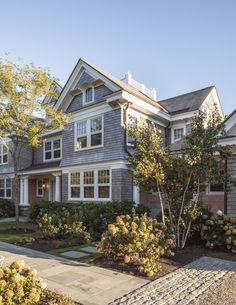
7	208
94	216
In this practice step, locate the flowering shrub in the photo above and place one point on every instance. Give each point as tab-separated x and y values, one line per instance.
20	285
138	240
53	227
220	230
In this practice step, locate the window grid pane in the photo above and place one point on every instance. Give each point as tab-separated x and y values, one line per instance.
89	177
75	178
96	125
178	133
88	95
103	177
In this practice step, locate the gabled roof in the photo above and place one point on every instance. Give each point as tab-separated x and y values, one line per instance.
230	115
122	85
186	102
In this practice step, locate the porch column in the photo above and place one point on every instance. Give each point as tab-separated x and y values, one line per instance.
57	187
21	191
26	191
136	195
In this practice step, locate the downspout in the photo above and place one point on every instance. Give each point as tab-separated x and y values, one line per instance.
226	188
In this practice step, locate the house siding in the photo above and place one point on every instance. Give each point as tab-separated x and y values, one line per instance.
113	143
64	190
232	193
122	185
99	96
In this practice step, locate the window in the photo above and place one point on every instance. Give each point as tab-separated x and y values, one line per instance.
75	185
89	133
3	154
178	134
52	149
216	187
90	185
89	95
39	192
103	184
5	187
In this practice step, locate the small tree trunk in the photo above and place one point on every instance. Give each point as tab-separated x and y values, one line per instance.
181	211
162	205
16	199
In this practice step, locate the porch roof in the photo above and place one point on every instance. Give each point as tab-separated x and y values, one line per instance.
53	165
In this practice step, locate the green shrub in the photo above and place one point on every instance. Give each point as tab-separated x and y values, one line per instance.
138	240
20	285
7	208
94	216
219	231
53	227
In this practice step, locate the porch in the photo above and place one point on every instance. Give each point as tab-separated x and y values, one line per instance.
41	186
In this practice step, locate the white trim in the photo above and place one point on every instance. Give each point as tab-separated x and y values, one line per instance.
84	95
5	177
41	171
52	150
49	132
117	164
95	110
2	155
95	185
182	116
88	133
79	69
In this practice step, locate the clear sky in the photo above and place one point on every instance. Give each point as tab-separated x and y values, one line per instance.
175	46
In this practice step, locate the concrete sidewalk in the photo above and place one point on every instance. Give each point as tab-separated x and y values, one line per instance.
84	283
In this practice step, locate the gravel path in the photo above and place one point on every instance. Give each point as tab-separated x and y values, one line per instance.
202	282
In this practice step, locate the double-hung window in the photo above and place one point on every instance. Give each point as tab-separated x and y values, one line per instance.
39	191
178	134
89	95
90	185
5	188
3	154
89	133
52	149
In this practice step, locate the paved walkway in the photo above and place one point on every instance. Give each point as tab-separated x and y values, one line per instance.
86	284
187	285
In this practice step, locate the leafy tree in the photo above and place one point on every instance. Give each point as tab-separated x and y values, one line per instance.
179	178
23	116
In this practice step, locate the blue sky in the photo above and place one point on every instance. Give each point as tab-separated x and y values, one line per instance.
175	46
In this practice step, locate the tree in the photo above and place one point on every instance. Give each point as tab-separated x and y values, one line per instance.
179	178
23	116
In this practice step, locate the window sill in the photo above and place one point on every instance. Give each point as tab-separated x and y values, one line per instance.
51	160
89	199
88	148
215	193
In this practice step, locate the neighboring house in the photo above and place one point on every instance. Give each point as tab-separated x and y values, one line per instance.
88	160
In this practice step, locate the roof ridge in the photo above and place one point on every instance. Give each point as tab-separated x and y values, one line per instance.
213	86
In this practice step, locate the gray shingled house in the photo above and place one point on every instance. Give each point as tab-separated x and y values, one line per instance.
87	161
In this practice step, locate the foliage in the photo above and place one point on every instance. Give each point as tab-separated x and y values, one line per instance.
179	178
52	298
23	116
53	227
7	208
20	285
220	230
94	216
138	240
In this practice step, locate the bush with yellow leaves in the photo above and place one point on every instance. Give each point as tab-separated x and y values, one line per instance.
138	240
19	284
220	230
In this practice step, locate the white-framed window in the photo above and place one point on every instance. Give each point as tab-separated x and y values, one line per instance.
39	188
52	149
90	185
177	133
6	187
88	95
89	133
3	154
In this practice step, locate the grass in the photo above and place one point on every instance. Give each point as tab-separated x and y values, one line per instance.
17	238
